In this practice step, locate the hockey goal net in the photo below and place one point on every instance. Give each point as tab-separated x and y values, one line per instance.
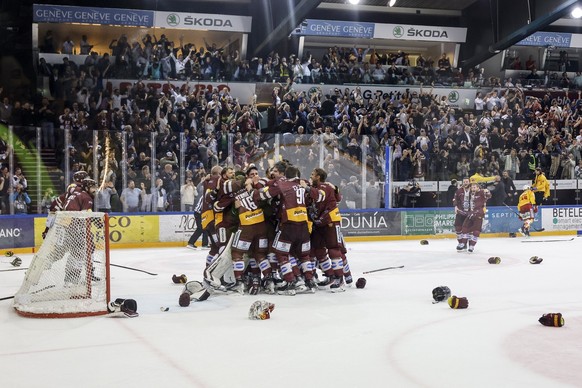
69	275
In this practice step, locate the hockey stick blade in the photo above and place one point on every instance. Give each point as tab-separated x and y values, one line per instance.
382	269
538	241
7	297
13	269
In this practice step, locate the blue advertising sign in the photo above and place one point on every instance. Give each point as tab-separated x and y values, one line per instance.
16	232
540	38
342	29
501	219
92	15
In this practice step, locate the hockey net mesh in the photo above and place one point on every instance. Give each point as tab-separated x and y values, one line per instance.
69	275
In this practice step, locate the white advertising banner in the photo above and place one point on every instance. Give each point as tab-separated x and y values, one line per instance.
457	98
203	21
425	33
176	227
244	91
562	218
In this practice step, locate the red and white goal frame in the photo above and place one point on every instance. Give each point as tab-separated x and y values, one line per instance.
69	276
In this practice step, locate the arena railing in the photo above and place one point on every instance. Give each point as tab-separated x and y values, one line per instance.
359	170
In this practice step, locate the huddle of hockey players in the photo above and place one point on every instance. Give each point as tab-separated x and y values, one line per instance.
271	234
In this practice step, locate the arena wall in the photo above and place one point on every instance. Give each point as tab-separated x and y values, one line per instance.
22	234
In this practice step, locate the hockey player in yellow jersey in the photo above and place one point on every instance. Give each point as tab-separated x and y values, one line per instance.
541	186
527	208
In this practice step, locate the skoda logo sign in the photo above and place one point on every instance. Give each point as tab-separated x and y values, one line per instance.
398	32
453	97
173	20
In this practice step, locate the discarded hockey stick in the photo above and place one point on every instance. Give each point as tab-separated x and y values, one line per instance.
130	268
7	297
133	269
13	269
558	240
519	216
383	269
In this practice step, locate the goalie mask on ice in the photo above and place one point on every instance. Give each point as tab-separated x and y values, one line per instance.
261	309
441	293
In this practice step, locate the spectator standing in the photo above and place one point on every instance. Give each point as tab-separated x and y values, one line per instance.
103	197
20	200
510	189
159	197
130	197
188	193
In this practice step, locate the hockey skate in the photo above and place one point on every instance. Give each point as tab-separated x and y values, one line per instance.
461	247
336	286
239	287
255	285
287	288
471	248
269	286
311	284
302	288
349	280
325	284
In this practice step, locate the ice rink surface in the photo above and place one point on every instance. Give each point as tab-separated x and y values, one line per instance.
388	334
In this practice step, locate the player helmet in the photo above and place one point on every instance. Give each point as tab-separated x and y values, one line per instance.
526	187
79	176
441	293
87	183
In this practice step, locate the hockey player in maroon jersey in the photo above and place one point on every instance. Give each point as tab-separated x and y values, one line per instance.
207	212
292	238
461	202
58	203
225	221
475	214
82	200
326	234
251	235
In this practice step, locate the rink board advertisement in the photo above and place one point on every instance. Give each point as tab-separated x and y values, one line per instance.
16	232
380	223
125	229
504	220
424	222
177	227
562	218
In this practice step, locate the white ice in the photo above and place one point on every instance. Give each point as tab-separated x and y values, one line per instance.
388	334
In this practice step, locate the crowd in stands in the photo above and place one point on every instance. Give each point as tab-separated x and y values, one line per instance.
163	59
428	139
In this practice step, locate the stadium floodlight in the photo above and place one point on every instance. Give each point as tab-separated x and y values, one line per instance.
391	3
354	2
577	13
